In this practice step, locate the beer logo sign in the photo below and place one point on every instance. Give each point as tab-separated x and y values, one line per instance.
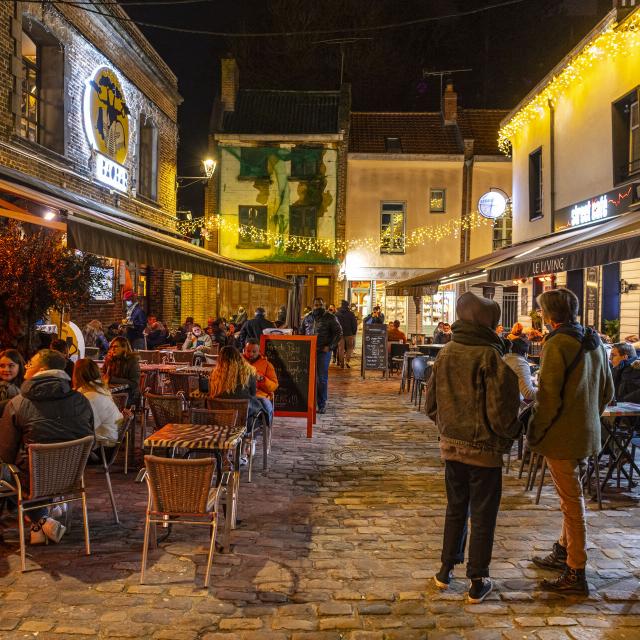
106	115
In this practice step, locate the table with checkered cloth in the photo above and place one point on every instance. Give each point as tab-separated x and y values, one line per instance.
196	436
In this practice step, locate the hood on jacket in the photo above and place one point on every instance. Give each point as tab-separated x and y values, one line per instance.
482	311
48	385
586	335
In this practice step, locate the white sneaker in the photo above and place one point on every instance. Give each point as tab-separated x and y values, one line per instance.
53	530
59	512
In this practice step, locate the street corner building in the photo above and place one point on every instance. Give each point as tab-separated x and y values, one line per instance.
88	146
277	198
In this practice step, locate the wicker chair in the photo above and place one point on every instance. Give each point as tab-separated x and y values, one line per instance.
258	425
56	476
183	357
220	417
165	409
180	492
92	352
109	452
183	382
150	356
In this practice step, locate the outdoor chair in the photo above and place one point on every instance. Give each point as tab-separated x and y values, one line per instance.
259	424
56	476
180	492
220	417
396	355
183	357
165	409
419	366
109	452
150	356
91	352
186	383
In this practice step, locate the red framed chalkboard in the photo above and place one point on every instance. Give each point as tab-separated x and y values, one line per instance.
294	359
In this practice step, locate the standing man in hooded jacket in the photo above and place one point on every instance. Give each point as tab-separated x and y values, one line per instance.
575	386
473	398
349	324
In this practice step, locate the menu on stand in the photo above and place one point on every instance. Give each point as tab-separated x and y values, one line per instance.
374	348
294	359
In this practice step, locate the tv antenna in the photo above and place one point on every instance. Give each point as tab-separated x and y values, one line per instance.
442	74
342	42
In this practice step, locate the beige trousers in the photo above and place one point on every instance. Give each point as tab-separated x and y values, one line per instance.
345	349
566	477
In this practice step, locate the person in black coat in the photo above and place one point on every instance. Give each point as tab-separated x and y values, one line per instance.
254	328
349	324
625	371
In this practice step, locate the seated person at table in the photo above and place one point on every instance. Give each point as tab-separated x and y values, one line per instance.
266	378
11	375
517	361
106	415
46	411
625	369
62	347
233	378
444	336
197	339
219	333
94	337
121	367
394	334
157	334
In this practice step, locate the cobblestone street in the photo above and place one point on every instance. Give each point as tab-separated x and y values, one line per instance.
339	539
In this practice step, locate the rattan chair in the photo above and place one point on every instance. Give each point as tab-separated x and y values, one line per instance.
92	352
220	417
183	357
259	425
165	409
186	383
180	492
108	453
56	476
150	356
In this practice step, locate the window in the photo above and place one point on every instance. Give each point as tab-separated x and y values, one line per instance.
41	117
303	221
535	184
438	201
148	160
253	221
253	162
392	145
502	230
392	227
626	137
305	162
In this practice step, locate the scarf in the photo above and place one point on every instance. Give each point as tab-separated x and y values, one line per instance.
585	335
476	335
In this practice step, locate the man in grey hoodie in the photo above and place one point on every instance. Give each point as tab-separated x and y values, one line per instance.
473	398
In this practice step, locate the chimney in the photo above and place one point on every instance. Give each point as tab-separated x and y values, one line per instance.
450	104
229	82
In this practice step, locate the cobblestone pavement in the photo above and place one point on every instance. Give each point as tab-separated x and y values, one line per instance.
339	540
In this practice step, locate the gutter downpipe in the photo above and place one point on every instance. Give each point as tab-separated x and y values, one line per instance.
552	162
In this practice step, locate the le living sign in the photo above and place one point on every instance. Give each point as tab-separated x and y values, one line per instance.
595	209
547	265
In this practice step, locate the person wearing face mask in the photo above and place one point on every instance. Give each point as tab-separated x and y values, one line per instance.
135	322
197	339
327	329
266	378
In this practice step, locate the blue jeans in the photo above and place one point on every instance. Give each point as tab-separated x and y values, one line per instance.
322	378
267	405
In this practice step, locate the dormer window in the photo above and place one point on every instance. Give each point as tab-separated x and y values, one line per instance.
392	145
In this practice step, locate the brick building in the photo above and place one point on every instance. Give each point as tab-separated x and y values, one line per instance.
277	199
88	144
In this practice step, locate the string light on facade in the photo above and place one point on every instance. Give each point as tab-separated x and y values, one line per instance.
616	40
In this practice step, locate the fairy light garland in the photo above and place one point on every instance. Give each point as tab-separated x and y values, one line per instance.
614	41
329	247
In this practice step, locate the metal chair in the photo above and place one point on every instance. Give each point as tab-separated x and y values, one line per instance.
186	383
396	355
181	492
220	417
109	452
56	476
259	425
150	356
165	409
183	357
419	370
92	352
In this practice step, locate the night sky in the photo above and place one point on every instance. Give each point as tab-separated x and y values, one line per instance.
508	49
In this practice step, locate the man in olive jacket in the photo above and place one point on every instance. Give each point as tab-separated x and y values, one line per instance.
473	398
575	386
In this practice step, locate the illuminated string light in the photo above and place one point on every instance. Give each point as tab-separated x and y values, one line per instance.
614	41
328	247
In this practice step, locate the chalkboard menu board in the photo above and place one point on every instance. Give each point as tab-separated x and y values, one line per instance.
374	347
294	359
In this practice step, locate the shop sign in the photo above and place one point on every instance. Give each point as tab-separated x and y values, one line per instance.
106	125
591	306
547	265
492	205
594	209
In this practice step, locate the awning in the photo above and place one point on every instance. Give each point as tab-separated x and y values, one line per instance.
613	241
107	231
476	269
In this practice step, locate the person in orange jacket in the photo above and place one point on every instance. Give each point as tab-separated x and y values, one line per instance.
267	380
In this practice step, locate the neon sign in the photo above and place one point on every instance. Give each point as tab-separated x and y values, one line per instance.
596	209
590	211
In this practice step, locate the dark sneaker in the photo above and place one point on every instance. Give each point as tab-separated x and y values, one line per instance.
479	590
322	410
571	582
557	559
443	577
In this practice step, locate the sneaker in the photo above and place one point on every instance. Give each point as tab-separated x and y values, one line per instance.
443	577
53	529
572	581
244	461
37	534
479	590
346	364
59	512
322	409
557	559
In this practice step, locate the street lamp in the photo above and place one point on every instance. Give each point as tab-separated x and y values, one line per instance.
209	166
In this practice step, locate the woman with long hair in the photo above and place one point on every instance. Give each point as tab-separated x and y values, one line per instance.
106	416
121	367
11	375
